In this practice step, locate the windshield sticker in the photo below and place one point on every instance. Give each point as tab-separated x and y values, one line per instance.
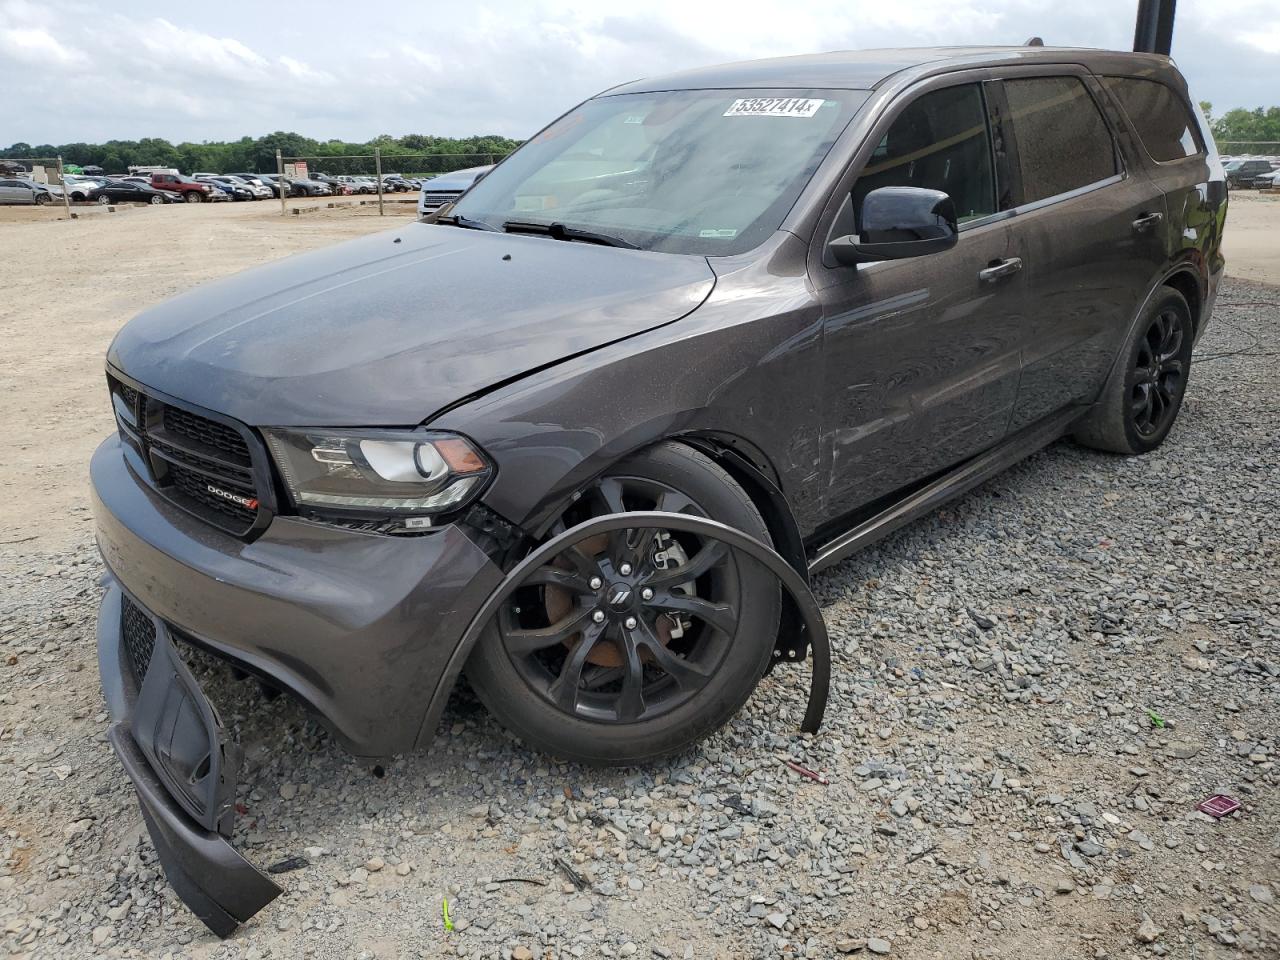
718	234
773	107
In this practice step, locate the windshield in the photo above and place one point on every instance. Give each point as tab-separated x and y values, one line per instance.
1234	165
710	172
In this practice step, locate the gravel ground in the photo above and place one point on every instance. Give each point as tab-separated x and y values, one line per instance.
1034	688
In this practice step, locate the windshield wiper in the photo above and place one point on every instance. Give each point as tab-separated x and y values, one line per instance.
458	220
560	231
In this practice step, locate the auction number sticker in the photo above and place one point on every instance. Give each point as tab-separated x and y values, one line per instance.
774	107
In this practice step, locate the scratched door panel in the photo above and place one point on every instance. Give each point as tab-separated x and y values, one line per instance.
922	364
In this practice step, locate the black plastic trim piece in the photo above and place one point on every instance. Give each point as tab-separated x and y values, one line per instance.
951	484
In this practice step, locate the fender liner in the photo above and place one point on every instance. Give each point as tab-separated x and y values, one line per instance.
811	623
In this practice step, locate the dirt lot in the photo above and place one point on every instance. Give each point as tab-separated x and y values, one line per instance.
1035	686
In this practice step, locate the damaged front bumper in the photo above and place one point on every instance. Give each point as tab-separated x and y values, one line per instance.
173	747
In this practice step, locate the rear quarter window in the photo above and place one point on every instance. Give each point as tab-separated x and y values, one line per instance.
1063	141
1163	120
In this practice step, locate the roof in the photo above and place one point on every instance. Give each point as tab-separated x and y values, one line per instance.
866	69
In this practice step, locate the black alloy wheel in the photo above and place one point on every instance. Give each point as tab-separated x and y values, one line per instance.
628	626
1158	376
1139	403
633	645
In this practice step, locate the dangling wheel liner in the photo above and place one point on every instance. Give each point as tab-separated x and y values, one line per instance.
814	631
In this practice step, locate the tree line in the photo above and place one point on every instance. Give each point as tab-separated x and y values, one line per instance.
259	154
1260	125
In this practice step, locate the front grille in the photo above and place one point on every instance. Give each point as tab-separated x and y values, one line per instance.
210	433
202	464
438	198
195	487
139	632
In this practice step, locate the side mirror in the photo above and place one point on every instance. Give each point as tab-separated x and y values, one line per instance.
899	222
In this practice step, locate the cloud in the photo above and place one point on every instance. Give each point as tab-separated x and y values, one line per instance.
37	47
499	66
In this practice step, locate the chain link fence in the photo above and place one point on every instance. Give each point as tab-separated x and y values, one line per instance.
1261	148
377	166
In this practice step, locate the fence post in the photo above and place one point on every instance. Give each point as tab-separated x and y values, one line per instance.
377	165
284	187
66	198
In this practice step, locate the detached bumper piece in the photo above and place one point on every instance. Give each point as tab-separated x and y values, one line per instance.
173	747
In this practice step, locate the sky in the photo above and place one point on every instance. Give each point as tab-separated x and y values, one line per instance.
72	70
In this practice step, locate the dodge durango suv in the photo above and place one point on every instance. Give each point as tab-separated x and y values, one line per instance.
805	298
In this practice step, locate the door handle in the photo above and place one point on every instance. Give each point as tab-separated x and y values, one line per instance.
1000	268
1147	221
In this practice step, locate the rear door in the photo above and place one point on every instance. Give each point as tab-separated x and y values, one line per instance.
1090	230
13	191
920	355
1168	137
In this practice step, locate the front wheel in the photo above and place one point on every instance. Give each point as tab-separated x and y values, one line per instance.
42	199
1141	401
194	197
647	640
156	201
103	200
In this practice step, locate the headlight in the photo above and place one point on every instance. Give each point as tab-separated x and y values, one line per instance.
379	474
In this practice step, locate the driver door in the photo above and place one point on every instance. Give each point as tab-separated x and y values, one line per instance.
921	354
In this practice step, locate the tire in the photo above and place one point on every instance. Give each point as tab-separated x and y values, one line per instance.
104	200
194	196
674	714
157	201
1141	401
43	199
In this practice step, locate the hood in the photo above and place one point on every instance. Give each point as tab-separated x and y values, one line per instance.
388	329
457	179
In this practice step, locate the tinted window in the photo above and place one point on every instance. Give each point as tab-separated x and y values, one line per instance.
1162	119
938	142
1063	142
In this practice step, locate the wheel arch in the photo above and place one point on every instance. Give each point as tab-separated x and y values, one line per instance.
1186	281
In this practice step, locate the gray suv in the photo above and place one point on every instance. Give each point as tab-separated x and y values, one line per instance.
807	298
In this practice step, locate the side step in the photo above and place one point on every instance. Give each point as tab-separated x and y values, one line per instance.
960	480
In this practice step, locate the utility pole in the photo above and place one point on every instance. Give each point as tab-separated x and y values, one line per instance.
62	180
284	206
1153	30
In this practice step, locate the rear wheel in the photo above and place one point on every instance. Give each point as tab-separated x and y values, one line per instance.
648	640
1138	408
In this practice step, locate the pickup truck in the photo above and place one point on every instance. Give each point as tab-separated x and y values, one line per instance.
193	191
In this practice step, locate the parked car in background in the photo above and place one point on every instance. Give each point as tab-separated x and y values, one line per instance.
79	187
1268	181
266	180
1241	172
259	190
193	191
306	187
24	190
336	186
447	187
130	191
234	188
357	184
